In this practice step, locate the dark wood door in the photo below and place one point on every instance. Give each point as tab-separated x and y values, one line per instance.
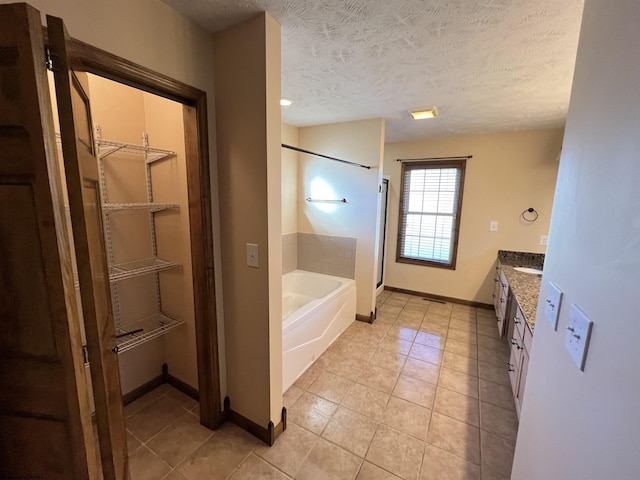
83	186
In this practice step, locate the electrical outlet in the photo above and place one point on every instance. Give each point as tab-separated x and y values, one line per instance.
552	305
578	336
493	226
544	239
253	255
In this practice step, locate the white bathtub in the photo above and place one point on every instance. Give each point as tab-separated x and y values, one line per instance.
316	309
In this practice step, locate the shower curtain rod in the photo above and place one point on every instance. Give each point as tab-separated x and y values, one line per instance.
466	157
302	150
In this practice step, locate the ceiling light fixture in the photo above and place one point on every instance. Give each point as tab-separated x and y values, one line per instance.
285	102
422	114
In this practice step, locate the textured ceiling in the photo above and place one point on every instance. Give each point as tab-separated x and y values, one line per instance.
488	65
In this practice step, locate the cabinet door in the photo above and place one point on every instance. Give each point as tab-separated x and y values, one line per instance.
82	179
45	417
524	365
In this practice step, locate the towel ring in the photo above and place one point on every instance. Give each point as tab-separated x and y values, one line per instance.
529	215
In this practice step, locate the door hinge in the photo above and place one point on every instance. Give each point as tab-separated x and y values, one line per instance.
85	354
49	62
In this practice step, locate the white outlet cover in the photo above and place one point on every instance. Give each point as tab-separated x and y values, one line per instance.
578	336
253	255
493	226
552	304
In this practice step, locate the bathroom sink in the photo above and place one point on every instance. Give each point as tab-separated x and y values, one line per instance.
533	271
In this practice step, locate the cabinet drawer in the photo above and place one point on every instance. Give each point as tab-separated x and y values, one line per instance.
528	338
514	370
519	325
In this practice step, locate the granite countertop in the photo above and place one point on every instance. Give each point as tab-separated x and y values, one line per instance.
525	286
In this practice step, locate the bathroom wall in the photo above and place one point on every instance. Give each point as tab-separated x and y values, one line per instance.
361	142
152	34
247	62
574	424
289	199
509	172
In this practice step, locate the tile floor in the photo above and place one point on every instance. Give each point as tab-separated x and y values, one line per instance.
423	393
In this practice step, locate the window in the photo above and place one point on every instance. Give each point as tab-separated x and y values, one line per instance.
430	205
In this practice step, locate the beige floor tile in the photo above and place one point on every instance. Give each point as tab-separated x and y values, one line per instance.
179	439
418	305
291	395
369	471
494	373
434	329
144	401
458	347
150	420
488	330
487	321
379	378
407	417
328	357
395	345
436	319
350	430
391	309
389	360
290	450
132	443
455	437
497	453
219	456
498	420
458	324
384	317
145	465
441	465
331	387
459	382
497	394
486	313
425	371
305	380
359	351
416	391
466	315
328	461
402	332
410	318
440	308
311	412
195	411
367	337
458	406
180	398
490	342
396	302
173	475
256	468
426	353
349	368
430	339
463	335
460	363
494	356
366	401
396	452
489	475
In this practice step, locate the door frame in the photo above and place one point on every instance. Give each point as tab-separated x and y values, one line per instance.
87	58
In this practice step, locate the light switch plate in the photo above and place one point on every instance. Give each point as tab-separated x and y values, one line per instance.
552	304
544	239
253	255
493	226
578	336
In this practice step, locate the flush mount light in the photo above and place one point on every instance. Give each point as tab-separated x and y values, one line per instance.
285	102
422	114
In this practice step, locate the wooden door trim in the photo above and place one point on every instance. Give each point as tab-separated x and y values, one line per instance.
87	58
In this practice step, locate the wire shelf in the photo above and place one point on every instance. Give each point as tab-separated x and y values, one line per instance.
152	327
122	271
151	207
108	147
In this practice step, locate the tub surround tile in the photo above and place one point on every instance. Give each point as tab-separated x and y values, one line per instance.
441	465
396	452
351	431
289	252
327	460
331	255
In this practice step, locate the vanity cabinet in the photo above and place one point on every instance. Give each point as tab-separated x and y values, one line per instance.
500	299
520	342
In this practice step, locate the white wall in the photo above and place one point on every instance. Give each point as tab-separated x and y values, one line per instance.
508	173
289	180
586	425
360	142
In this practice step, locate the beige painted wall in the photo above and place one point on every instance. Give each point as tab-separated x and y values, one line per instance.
290	198
360	142
577	424
508	173
247	63
151	34
123	114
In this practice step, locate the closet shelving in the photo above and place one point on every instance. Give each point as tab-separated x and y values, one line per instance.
139	331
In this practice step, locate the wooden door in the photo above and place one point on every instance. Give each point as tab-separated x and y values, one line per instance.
83	186
45	417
